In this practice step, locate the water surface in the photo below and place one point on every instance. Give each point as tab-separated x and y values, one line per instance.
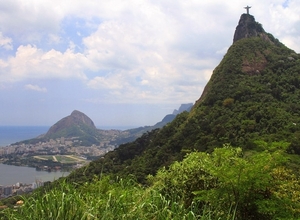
10	175
13	134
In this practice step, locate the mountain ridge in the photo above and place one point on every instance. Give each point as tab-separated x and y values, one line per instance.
252	95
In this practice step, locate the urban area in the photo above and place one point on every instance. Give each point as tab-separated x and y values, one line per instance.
62	154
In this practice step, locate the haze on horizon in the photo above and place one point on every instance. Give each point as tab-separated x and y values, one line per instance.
122	63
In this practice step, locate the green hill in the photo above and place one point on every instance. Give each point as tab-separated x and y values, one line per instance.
79	122
233	156
253	94
75	125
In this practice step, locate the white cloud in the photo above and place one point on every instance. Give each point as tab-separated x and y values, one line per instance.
35	88
135	51
29	20
5	42
222	51
54	39
110	82
292	42
31	62
149	52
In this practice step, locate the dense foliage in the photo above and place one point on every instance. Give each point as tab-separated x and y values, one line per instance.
139	158
253	94
225	184
253	185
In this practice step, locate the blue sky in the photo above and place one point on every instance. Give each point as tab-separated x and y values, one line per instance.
123	63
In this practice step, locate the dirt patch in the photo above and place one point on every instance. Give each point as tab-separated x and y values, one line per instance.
41	158
254	65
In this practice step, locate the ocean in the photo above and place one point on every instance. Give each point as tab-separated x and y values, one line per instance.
13	134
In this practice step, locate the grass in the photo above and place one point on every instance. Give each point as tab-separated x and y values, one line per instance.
102	200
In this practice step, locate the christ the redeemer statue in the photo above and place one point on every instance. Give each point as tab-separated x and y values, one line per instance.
247	8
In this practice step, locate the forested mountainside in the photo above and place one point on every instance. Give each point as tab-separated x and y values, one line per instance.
235	155
253	94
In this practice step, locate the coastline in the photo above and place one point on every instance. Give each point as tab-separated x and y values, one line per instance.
12	134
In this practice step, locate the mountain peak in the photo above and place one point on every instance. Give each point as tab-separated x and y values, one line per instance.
81	117
248	27
77	121
76	112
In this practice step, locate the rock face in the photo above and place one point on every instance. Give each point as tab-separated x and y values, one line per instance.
247	27
77	121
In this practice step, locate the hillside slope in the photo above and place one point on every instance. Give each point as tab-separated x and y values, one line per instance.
76	124
253	94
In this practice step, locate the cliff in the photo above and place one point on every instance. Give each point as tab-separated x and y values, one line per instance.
248	27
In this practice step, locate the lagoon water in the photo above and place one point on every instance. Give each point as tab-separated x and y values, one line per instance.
10	175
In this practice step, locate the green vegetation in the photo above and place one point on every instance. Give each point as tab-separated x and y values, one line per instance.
252	95
253	185
226	184
88	135
100	199
184	170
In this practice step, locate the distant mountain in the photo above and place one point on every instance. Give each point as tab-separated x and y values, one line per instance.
80	127
252	96
75	125
184	107
134	133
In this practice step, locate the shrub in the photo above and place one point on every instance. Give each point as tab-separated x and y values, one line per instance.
256	186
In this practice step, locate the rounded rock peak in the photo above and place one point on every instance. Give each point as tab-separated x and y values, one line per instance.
247	27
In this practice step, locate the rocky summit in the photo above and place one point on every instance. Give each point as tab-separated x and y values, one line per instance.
248	27
75	125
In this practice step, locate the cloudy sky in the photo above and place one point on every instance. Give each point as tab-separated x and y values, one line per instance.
122	63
